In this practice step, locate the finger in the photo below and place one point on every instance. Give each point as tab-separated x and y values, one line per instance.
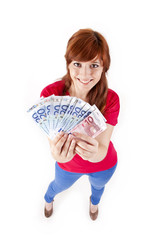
61	142
71	150
66	145
84	137
82	151
58	137
54	141
82	156
85	146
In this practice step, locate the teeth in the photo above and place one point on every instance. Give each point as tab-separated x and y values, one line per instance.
83	82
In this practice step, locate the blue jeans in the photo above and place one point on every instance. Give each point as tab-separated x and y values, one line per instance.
64	179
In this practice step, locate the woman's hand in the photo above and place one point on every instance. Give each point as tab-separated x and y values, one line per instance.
93	149
63	147
86	147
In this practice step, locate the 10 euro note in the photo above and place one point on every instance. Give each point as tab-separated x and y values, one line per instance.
92	125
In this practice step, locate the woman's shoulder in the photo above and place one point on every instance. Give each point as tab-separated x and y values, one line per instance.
55	88
112	107
112	95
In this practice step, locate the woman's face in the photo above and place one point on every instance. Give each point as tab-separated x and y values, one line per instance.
85	75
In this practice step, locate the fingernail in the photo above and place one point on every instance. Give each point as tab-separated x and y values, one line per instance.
61	132
70	136
74	134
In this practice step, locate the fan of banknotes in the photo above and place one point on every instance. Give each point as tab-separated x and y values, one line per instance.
69	114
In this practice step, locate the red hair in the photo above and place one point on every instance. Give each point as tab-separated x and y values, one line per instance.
85	45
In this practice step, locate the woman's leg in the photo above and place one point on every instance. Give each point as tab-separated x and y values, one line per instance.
98	181
62	181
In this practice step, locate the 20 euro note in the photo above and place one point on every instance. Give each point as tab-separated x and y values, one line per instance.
85	111
74	115
92	125
66	117
54	112
40	113
65	103
40	119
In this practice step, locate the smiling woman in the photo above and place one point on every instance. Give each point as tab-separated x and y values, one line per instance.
84	48
87	58
85	75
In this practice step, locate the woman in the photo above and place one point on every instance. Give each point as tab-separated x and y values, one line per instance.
88	60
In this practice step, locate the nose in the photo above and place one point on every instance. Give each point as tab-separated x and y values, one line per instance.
85	73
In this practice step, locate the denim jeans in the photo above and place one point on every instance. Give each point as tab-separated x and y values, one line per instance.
64	179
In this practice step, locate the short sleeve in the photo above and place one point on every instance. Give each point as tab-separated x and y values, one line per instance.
55	88
45	92
112	108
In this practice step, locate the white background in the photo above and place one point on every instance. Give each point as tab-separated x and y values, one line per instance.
33	41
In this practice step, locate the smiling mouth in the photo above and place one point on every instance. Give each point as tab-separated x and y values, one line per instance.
85	83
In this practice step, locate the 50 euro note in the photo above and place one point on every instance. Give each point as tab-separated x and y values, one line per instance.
92	125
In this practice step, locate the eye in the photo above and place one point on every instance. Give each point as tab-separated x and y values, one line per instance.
94	65
76	64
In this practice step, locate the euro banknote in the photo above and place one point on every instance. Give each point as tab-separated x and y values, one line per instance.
69	114
92	125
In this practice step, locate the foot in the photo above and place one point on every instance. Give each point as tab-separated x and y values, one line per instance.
48	206
48	210
93	208
93	211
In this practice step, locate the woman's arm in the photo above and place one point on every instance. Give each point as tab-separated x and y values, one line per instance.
93	149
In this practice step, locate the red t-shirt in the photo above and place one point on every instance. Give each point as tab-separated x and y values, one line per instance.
77	164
